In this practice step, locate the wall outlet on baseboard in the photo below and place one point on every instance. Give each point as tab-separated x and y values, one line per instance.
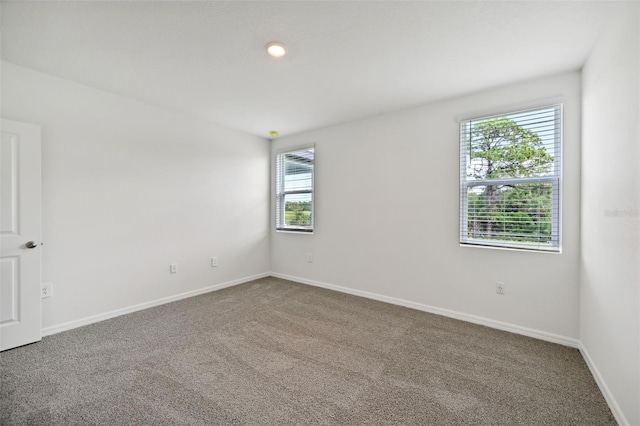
214	262
46	290
173	268
500	288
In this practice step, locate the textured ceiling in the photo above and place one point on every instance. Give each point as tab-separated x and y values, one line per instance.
346	60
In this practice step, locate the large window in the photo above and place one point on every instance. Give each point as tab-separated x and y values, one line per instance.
510	179
294	190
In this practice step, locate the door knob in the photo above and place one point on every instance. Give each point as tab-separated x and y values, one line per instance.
31	244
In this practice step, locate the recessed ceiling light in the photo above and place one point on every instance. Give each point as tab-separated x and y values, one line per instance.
273	133
276	49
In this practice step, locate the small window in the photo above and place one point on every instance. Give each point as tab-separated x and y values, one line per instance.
510	179
294	190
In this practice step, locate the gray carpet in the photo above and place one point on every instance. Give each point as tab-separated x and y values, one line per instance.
273	352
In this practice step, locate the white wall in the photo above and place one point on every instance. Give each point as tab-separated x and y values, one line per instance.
387	215
129	188
610	260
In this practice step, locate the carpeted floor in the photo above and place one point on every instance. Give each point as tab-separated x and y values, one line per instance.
273	352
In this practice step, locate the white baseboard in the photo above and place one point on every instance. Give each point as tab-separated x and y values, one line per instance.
542	335
608	396
123	311
538	334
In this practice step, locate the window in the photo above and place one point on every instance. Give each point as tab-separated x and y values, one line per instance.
510	179
294	190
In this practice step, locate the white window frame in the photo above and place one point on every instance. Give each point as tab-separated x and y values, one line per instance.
281	193
555	180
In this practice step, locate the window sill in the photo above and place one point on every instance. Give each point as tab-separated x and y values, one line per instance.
294	231
523	249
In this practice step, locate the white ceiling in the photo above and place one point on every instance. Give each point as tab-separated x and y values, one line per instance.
346	60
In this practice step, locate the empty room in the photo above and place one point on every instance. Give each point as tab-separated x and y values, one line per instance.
320	212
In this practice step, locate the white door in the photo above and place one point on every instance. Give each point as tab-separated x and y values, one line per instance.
20	233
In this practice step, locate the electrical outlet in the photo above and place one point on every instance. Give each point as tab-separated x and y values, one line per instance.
214	262
309	257
46	290
500	288
173	268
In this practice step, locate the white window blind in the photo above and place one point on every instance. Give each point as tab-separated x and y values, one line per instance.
510	171
294	190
